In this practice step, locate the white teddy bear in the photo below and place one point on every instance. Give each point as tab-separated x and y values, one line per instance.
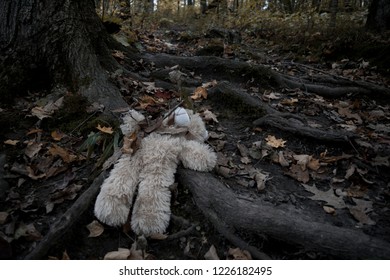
151	169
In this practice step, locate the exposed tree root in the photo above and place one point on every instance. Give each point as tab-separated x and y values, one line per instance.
222	207
296	127
239	71
64	224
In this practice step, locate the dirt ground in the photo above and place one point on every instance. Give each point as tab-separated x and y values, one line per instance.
43	170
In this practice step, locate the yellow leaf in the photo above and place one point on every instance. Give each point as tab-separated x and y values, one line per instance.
199	93
105	129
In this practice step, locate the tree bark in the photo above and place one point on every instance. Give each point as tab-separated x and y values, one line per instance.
379	15
45	43
229	212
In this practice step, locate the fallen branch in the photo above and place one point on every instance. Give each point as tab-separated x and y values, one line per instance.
282	222
67	220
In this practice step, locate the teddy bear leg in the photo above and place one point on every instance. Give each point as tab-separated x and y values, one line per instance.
152	209
197	156
116	195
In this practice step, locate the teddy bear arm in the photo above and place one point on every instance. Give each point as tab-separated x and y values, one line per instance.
197	156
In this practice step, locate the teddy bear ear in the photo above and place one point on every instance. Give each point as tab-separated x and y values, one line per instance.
181	117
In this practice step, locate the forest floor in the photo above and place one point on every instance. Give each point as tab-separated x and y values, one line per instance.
53	147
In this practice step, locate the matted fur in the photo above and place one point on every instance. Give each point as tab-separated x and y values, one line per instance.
152	169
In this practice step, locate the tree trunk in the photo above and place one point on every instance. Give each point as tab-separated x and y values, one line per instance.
379	15
46	43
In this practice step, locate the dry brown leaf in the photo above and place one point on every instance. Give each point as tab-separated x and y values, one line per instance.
121	254
158	236
299	174
199	93
105	129
57	135
27	231
329	210
3	217
146	101
65	256
243	150
33	175
302	161
328	196
95	229
66	156
271	96
289	101
207	116
282	160
238	254
214	135
118	54
274	142
32	148
211	254
223	171
260	177
314	164
213	83
11	142
130	143
360	210
245	160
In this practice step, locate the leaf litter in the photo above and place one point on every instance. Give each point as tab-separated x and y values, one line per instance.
265	152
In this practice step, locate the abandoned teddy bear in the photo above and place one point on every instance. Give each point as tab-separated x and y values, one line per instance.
151	169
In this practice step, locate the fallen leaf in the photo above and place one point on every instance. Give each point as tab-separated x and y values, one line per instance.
329	210
32	149
282	160
105	129
121	254
289	101
95	229
274	142
213	83
65	256
118	54
158	236
66	156
360	210
207	116
57	135
271	96
261	178
199	93
296	172
211	254
243	149
245	160
11	142
302	160
214	135
328	196
146	101
238	254
28	231
3	217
